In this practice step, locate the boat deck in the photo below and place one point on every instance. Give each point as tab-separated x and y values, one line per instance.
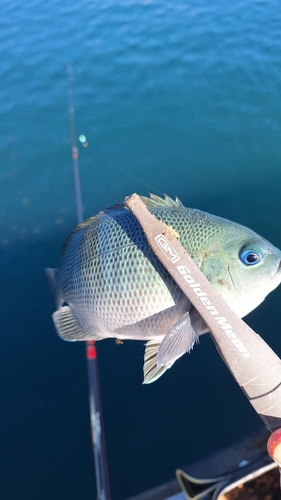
214	465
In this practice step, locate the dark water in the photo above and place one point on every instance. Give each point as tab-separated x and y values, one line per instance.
173	96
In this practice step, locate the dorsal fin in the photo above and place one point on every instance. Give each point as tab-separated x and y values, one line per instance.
119	205
83	224
153	201
157	201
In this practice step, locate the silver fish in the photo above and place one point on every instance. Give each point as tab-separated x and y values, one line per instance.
111	284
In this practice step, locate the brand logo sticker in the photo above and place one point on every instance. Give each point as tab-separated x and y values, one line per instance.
167	248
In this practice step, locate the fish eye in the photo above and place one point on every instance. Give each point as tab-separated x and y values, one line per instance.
250	255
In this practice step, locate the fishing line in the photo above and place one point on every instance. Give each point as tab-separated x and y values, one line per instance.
97	428
129	175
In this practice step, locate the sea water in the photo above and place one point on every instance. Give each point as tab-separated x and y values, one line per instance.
173	97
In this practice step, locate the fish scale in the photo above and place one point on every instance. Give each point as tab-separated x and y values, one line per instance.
111	284
113	259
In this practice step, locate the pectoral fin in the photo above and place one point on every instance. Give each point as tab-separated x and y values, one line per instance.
161	355
68	326
179	339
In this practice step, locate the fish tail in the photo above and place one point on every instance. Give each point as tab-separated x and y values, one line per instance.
68	326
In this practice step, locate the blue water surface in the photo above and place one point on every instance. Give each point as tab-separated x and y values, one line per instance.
173	97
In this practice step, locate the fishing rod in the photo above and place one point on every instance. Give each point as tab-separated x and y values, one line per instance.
253	364
97	427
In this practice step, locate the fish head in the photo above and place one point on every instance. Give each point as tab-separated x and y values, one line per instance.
243	268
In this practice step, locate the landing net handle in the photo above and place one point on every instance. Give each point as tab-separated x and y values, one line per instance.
253	364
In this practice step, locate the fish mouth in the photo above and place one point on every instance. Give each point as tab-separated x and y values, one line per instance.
277	273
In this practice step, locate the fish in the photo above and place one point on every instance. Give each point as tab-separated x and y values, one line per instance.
111	285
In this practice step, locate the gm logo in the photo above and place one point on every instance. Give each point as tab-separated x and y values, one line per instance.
167	248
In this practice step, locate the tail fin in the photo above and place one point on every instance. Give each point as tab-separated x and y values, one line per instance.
68	326
51	275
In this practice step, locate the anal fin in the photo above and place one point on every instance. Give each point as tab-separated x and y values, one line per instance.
151	371
68	326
